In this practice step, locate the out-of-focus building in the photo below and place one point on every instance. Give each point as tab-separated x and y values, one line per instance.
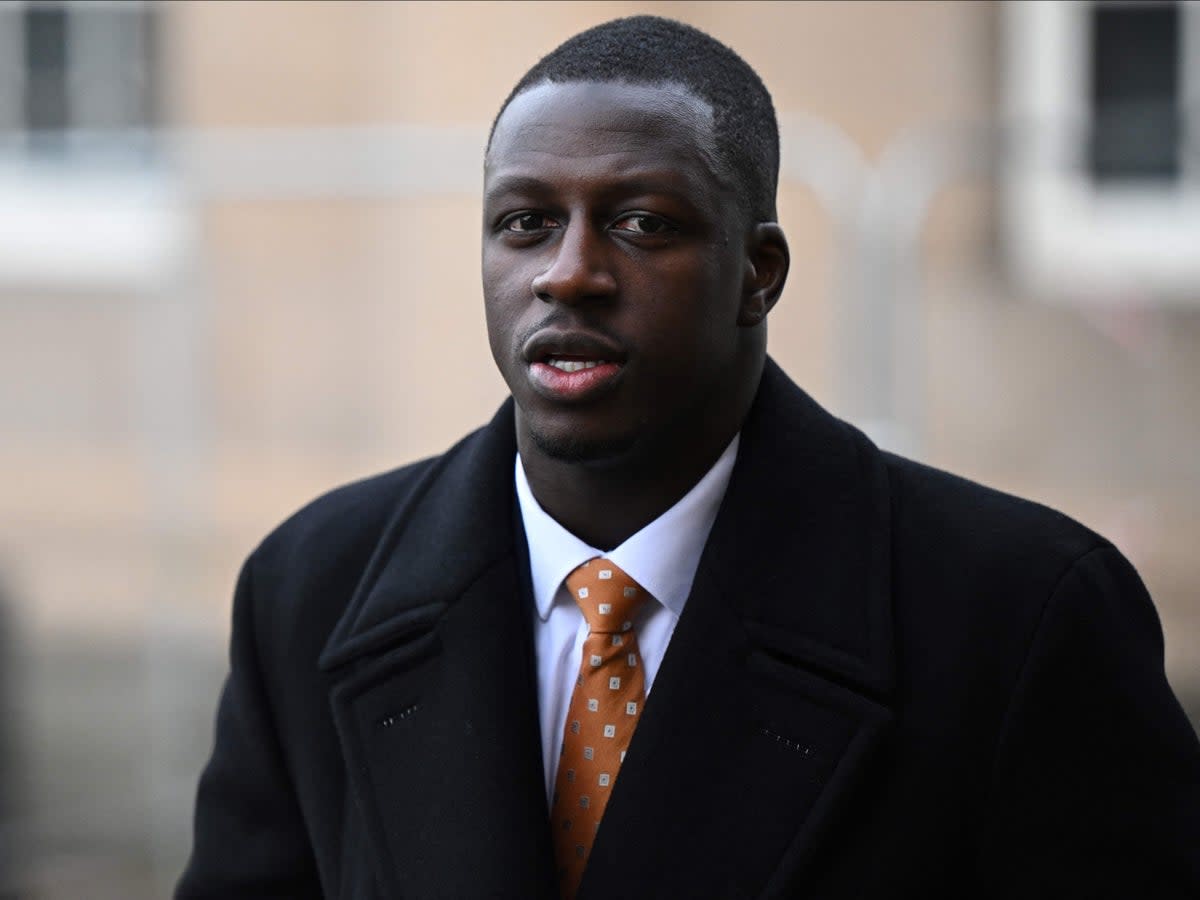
238	266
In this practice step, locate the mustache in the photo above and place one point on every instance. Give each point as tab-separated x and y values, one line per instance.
561	320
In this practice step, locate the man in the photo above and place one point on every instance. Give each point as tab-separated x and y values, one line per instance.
665	628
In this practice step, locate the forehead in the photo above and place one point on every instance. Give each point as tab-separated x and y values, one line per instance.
589	129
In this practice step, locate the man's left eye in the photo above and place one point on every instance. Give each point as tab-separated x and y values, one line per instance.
528	221
642	223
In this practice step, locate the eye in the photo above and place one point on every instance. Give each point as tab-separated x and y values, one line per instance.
643	223
528	221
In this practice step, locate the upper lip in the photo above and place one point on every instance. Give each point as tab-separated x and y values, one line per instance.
551	343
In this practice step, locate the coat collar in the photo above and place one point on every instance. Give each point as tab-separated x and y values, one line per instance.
801	545
454	525
779	669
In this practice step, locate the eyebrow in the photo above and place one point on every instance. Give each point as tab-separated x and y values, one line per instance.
641	183
517	184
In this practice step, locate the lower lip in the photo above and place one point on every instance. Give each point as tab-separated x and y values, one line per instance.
573	385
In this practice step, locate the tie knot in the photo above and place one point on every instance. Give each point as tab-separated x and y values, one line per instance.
608	598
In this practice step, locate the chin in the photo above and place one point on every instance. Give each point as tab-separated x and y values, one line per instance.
573	447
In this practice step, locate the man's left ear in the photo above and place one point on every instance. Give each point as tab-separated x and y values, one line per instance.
767	261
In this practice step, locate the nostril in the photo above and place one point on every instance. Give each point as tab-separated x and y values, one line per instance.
575	286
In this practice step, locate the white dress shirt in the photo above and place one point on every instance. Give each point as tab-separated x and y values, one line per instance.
662	558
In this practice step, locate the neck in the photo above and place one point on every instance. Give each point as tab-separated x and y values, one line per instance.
605	505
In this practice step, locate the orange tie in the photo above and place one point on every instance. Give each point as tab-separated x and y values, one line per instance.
605	706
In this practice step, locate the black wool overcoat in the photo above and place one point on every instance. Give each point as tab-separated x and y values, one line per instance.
888	682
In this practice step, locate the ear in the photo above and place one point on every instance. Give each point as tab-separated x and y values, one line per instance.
767	262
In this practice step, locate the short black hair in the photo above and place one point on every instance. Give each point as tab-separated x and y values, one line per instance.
654	51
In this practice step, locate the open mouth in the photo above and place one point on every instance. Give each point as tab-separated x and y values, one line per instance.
566	364
573	364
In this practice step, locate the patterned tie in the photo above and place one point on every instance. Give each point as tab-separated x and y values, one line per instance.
605	706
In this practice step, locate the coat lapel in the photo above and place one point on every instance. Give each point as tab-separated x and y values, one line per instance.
774	689
434	694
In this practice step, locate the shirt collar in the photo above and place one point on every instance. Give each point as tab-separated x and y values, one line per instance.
662	557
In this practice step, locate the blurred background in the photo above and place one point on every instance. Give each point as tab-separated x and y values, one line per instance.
238	266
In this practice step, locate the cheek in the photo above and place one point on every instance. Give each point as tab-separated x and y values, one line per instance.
706	280
501	319
504	292
699	311
494	275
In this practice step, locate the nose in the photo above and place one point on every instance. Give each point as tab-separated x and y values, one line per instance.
578	270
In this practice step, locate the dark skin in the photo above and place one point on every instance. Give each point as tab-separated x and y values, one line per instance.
610	239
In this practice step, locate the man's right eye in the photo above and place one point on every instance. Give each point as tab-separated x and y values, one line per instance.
528	221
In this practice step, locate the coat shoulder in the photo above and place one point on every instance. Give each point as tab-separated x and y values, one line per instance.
344	516
352	515
937	515
305	571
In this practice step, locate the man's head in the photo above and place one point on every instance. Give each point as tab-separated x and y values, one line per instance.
629	252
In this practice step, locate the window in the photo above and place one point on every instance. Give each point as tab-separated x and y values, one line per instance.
1135	61
87	203
1102	177
73	71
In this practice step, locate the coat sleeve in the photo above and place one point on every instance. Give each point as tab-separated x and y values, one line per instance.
250	839
1096	789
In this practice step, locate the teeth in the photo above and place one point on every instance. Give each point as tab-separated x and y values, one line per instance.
572	365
